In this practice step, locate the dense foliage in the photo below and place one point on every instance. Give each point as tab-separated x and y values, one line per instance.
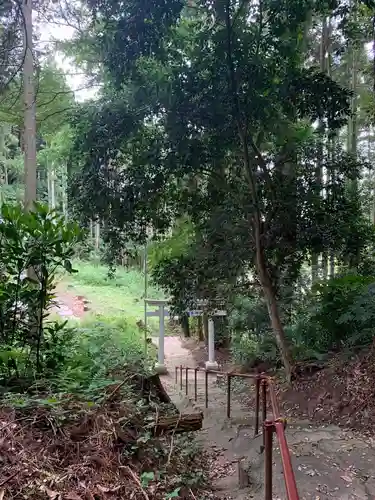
34	246
209	113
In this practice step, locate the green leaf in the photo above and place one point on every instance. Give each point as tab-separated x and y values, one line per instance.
173	494
146	478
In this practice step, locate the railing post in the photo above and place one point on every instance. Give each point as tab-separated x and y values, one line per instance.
229	380
176	373
206	387
187	380
195	384
264	400
257	404
264	406
268	429
180	377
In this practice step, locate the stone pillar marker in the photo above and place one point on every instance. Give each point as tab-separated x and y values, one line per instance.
162	311
211	364
160	367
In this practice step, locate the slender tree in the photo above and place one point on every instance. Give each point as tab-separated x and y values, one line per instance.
30	107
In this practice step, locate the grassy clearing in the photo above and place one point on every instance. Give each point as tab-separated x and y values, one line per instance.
121	296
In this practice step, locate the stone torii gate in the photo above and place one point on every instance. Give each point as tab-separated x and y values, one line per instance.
162	311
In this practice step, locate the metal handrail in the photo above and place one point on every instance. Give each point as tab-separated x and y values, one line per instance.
275	425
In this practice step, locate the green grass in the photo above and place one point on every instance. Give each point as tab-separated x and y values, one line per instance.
118	297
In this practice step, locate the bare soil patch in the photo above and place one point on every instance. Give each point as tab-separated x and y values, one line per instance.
342	392
76	304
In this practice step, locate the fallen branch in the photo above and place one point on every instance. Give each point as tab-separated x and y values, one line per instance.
8	479
192	494
177	424
172	441
138	482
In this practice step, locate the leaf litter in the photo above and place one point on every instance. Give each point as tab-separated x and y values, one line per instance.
80	451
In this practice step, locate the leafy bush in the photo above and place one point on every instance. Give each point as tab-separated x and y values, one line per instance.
249	314
34	246
253	341
340	313
100	350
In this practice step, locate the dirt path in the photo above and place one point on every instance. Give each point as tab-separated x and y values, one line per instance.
69	305
329	462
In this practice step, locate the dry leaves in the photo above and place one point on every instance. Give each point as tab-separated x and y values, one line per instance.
81	452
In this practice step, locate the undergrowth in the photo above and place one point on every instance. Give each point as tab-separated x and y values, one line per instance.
333	316
79	449
87	431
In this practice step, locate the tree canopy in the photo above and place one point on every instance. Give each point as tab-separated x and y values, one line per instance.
217	112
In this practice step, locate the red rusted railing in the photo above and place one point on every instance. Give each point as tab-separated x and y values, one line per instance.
276	425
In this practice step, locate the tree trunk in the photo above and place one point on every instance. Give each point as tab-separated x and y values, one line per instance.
185	325
332	264
274	314
250	165
200	329
352	130
53	196
325	266
205	327
97	235
270	296
319	160
65	193
314	269
30	108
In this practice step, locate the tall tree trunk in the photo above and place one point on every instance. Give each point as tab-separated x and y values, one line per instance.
65	193
53	195
353	53
332	264
49	187
97	235
249	164
331	143
184	322
319	161
272	306
30	109
205	327
325	266
200	329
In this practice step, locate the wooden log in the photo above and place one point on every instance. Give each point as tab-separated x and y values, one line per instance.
177	424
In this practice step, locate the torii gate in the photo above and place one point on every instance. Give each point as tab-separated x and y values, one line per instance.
162	311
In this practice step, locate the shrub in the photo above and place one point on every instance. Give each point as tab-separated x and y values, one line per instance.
100	351
339	312
252	338
34	246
